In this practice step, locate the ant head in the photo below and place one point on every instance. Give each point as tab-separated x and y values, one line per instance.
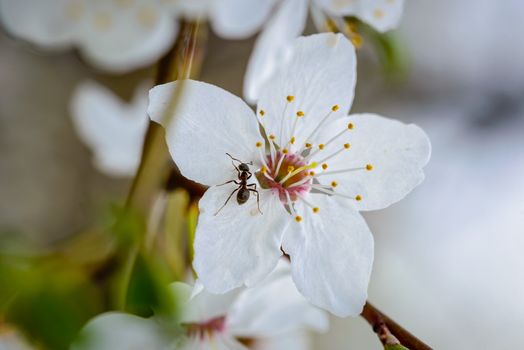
243	167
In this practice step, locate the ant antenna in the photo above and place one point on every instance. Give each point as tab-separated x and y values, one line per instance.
238	160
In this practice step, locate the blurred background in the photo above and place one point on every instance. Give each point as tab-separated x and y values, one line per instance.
449	257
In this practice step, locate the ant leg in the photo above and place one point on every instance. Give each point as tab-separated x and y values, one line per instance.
238	170
227	200
249	174
230	181
258	197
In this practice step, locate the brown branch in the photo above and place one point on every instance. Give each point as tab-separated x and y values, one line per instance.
388	331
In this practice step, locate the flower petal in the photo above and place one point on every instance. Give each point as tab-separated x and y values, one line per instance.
273	46
383	15
235	19
331	255
320	75
238	245
207	123
120	40
114	130
47	23
396	152
115	330
274	307
299	340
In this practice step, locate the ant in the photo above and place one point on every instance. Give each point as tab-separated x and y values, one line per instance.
244	189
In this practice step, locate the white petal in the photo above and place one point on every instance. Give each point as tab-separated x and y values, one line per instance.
202	306
397	152
112	129
126	39
273	46
383	15
208	123
238	245
42	22
289	341
320	75
274	307
116	330
331	255
234	19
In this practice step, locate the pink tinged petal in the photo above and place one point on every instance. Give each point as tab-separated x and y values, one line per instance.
208	123
234	19
121	40
320	77
48	23
383	15
115	330
273	46
331	255
113	129
274	307
238	246
388	157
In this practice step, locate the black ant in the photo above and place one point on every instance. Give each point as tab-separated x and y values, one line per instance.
244	189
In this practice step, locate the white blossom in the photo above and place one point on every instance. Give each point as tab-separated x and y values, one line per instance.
314	169
114	130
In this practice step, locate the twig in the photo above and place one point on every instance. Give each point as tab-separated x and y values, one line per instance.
390	332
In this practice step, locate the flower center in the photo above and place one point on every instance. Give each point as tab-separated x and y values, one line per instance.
286	174
206	328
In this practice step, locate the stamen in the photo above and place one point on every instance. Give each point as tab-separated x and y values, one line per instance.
289	99
298	218
342	171
322	188
277	169
334	184
258	144
314	208
346	146
301	182
369	167
321	123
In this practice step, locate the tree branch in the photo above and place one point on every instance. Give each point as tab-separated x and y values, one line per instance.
388	331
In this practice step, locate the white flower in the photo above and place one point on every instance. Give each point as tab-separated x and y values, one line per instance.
114	130
122	35
273	45
271	314
317	168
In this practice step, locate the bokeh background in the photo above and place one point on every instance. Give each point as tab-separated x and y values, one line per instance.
449	258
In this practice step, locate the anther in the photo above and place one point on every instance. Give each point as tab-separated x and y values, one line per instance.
315	210
290	168
311	173
334	108
263	169
271	137
285	151
358	198
347	145
300	114
350	126
292	141
321	146
290	98
258	144
324	166
308	145
334	184
298	218
369	167
262	113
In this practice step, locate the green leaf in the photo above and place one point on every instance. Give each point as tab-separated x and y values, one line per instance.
394	347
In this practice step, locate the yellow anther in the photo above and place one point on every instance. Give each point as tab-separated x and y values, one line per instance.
324	166
300	114
331	25
321	146
262	112
271	137
315	210
357	40
308	145
313	165
347	145
290	98
378	13
369	167
263	169
311	173
334	184
352	27
290	168
298	218
358	197
258	144
350	126
334	108
292	141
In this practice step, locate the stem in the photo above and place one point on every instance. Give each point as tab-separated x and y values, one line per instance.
388	331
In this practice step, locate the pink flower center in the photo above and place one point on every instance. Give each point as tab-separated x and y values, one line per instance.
287	174
206	328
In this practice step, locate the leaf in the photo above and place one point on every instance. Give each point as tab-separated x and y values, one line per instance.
394	347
